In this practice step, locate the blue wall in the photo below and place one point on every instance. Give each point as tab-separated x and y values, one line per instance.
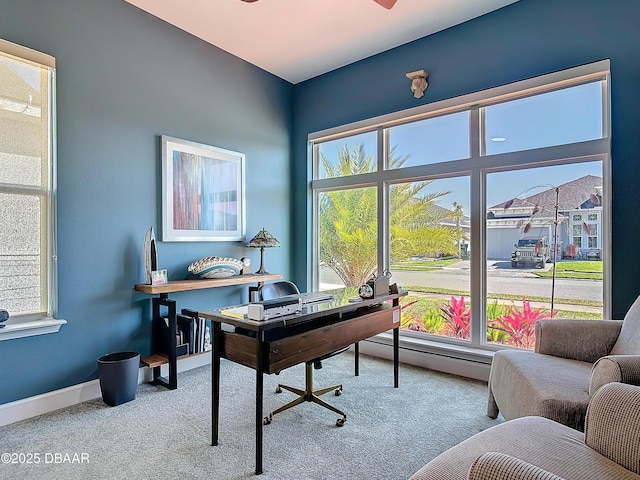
124	78
526	39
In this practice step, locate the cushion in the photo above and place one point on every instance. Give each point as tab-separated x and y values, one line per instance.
628	342
499	466
526	383
541	442
613	424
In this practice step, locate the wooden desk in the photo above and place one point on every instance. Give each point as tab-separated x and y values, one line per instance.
282	342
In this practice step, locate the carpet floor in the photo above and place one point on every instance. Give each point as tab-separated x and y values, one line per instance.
390	433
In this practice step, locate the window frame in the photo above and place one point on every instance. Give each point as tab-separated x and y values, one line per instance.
24	325
478	166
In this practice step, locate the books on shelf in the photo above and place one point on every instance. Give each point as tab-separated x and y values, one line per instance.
198	330
193	334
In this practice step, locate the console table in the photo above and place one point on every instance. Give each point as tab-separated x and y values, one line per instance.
157	359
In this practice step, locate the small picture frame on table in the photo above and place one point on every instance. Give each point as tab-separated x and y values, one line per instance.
159	277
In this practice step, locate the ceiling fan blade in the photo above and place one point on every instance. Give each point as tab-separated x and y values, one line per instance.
388	4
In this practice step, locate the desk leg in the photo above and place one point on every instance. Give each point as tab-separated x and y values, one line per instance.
259	399
357	360
215	381
396	350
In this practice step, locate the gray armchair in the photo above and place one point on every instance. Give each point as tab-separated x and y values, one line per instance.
572	359
536	448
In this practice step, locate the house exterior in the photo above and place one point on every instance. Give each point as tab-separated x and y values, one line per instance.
579	219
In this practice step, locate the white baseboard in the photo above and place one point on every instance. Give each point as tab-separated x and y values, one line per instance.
65	397
455	366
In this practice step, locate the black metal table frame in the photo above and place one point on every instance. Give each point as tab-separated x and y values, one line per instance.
260	328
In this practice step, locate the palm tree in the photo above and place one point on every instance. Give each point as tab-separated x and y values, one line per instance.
348	219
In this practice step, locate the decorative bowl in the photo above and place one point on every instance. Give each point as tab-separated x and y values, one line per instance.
216	267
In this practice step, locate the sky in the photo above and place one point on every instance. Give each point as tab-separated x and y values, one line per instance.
559	117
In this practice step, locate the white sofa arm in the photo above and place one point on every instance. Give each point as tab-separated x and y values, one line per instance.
499	466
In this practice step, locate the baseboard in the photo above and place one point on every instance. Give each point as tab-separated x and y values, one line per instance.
431	361
65	397
33	406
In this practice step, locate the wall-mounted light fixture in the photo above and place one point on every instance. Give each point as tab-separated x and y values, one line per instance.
418	82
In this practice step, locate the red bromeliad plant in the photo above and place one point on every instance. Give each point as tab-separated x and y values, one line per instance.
457	318
520	324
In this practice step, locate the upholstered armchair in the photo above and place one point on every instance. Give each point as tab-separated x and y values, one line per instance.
536	448
572	359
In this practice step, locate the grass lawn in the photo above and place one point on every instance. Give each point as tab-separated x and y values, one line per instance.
422	265
581	269
504	296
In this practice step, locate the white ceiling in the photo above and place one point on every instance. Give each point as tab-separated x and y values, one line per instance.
300	39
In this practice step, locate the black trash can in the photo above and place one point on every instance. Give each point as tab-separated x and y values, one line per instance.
118	374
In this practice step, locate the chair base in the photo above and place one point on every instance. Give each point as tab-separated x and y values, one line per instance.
308	395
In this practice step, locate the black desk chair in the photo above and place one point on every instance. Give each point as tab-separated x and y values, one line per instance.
269	291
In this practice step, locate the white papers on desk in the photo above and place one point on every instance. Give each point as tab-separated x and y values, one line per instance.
236	312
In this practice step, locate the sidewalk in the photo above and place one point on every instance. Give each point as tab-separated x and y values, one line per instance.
537	305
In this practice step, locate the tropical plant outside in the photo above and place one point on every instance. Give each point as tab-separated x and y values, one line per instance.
507	324
348	220
519	324
423	236
457	318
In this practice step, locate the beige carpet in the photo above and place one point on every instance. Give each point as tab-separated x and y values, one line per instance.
390	433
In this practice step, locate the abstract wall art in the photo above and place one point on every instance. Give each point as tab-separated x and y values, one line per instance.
202	192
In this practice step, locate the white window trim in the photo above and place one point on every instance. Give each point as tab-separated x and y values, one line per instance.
478	167
31	325
523	88
20	329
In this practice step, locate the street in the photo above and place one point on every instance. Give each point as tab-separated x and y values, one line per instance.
501	278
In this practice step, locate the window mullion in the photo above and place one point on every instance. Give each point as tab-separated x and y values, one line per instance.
477	207
383	203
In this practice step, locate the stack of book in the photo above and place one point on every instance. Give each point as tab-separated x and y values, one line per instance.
193	334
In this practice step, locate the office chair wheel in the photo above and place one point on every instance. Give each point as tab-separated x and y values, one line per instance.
279	389
338	392
340	422
267	420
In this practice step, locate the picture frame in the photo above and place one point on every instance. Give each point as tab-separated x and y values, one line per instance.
203	192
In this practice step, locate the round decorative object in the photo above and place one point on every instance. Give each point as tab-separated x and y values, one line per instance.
216	267
246	265
365	291
4	316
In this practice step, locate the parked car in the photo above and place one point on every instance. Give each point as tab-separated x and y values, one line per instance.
531	249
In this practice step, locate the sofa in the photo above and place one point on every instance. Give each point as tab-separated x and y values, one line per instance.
536	448
572	359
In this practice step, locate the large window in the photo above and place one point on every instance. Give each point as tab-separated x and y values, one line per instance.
27	183
490	209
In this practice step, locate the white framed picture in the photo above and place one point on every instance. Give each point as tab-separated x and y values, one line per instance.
202	192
